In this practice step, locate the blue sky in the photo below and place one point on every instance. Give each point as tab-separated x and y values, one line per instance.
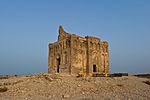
27	26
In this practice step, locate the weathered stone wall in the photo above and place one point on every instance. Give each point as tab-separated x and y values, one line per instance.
78	55
74	54
105	57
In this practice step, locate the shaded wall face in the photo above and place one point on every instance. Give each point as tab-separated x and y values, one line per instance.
94	56
105	57
59	57
78	56
81	59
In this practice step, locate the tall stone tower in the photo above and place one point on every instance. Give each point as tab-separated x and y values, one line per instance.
74	54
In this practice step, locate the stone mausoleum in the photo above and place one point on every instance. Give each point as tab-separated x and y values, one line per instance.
74	55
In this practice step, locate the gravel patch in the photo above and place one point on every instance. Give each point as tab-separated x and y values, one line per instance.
64	87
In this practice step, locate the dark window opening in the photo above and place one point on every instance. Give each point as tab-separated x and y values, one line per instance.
58	63
94	68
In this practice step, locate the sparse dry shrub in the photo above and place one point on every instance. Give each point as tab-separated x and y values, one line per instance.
143	75
15	75
3	89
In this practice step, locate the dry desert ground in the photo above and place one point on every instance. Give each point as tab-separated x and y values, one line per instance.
64	87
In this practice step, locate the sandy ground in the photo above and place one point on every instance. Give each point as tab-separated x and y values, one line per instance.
64	87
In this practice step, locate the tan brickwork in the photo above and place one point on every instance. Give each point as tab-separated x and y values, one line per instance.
74	54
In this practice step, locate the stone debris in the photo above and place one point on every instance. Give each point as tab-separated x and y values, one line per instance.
65	96
3	89
83	93
58	87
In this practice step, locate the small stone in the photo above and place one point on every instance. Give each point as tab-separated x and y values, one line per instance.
107	82
65	96
83	93
49	96
78	85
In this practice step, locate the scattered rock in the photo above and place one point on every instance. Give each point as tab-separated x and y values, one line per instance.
58	87
65	96
3	89
83	92
49	79
120	85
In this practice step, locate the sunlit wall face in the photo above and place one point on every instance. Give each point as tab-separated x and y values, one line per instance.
26	28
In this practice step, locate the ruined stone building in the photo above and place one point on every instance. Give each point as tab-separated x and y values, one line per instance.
74	54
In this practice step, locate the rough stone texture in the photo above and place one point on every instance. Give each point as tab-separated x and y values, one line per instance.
73	54
68	87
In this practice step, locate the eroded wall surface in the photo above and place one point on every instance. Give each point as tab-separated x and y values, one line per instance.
73	54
